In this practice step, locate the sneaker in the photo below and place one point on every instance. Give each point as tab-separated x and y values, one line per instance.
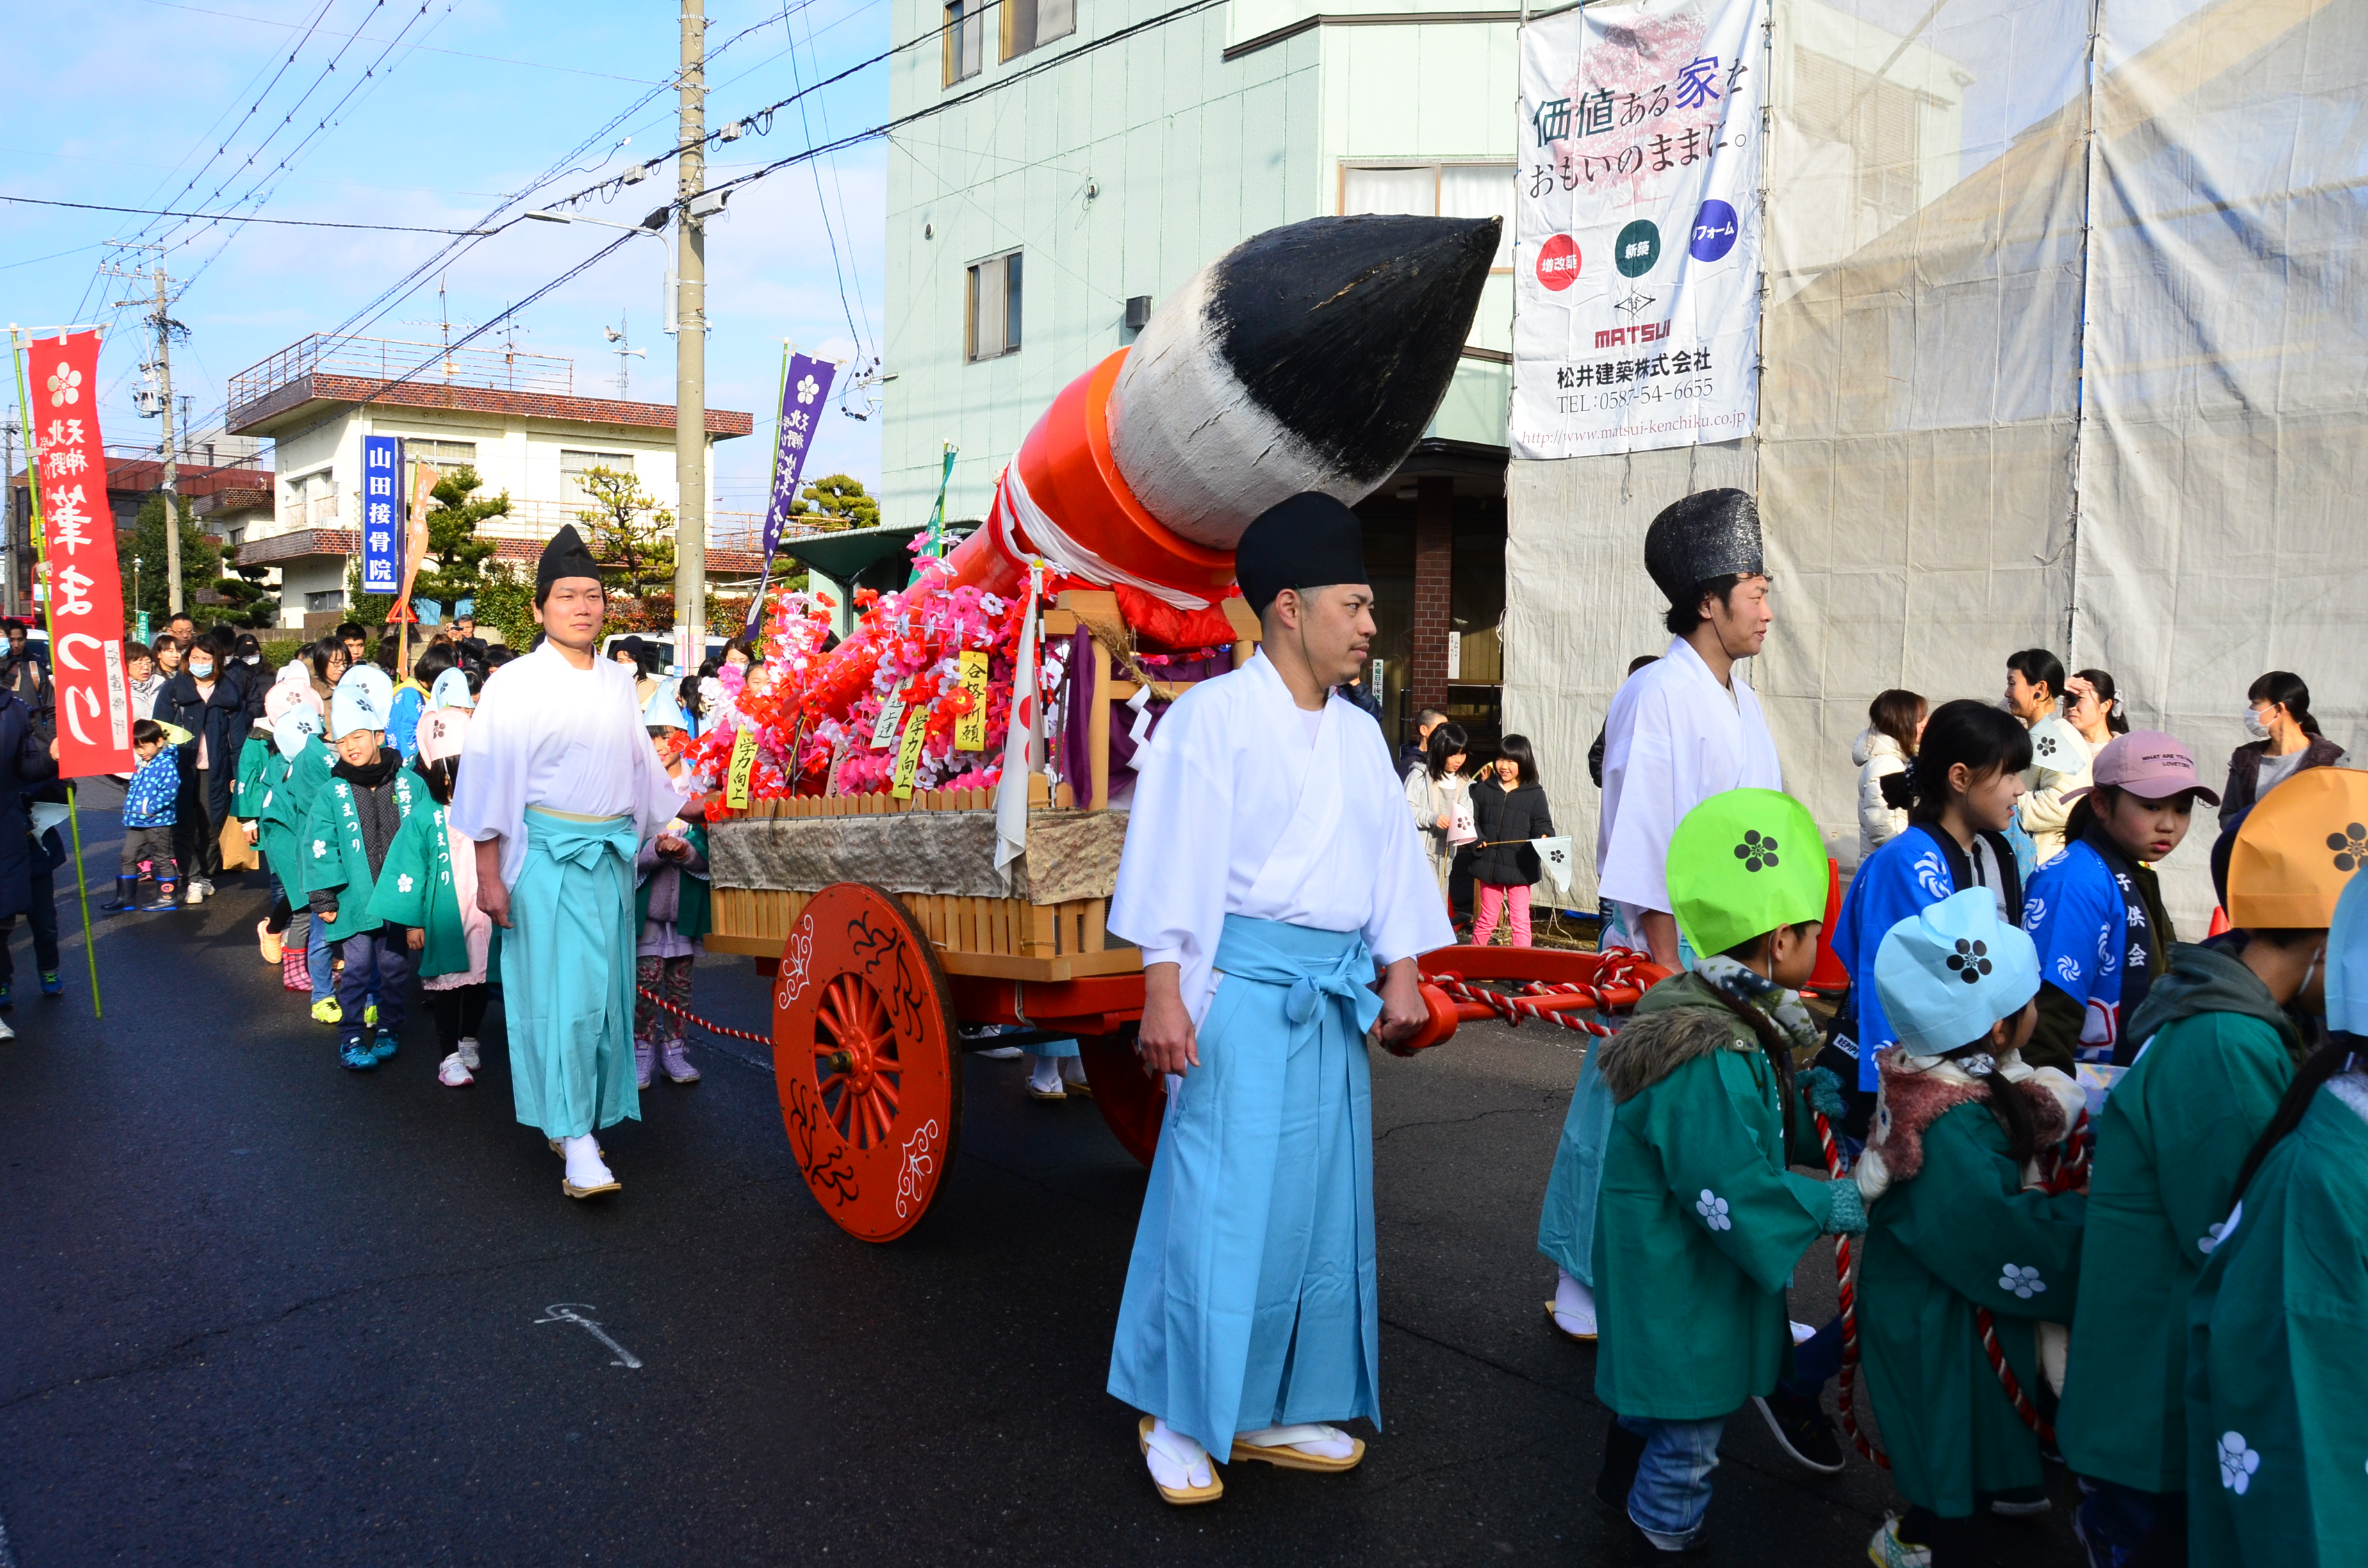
384	1046
327	1011
52	984
202	884
1887	1550
468	1052
2024	1502
646	1062
358	1056
453	1073
369	1014
268	939
1802	1430
675	1057
197	894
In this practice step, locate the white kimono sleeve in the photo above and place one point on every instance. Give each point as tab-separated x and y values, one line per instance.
1170	898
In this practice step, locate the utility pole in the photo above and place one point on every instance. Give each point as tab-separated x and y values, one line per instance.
160	403
690	349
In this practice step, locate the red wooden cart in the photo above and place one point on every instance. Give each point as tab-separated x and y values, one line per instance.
877	993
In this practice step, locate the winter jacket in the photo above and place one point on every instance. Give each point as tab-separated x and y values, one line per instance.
25	764
221	719
2244	785
1508	820
1878	757
1429	798
144	695
155	788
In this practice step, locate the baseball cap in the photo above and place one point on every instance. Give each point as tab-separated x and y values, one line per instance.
2149	764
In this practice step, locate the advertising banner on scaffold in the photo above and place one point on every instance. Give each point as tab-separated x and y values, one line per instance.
1636	272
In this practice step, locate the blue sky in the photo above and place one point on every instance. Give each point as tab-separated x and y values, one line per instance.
124	101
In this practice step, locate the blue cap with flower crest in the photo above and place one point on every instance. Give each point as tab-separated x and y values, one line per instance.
1949	971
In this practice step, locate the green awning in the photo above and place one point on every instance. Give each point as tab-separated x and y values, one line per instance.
844	554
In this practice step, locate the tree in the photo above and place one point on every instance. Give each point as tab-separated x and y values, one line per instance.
200	560
250	601
835	502
454	565
632	534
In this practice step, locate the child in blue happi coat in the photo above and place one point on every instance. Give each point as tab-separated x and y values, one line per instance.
150	811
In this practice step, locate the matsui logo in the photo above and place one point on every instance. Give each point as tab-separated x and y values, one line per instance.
1558	262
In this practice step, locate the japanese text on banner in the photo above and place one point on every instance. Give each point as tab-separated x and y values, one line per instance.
86	589
806	391
1637	266
381	516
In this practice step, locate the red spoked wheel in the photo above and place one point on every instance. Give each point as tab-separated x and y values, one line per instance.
1131	1101
864	1055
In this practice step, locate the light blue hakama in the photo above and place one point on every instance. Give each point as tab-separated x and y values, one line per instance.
567	975
1566	1221
1251	1297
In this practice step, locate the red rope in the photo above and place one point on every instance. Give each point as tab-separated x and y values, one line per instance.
2063	1167
1848	1298
687	1015
1513	1010
1986	1326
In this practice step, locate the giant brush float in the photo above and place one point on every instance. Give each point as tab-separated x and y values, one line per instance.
874	798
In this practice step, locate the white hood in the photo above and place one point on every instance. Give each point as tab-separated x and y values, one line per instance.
1872	743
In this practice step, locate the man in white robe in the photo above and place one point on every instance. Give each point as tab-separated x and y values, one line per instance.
1269	870
560	790
1682	728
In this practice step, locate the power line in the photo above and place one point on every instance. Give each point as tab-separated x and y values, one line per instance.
228	218
459	54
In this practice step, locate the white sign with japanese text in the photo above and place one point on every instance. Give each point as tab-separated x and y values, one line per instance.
1637	228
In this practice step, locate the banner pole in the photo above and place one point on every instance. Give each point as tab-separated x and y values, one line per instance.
81	892
41	561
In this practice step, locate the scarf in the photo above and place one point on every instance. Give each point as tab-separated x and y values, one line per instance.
370	775
1775	1015
2141	955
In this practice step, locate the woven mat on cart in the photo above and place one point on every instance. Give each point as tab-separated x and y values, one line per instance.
1071	854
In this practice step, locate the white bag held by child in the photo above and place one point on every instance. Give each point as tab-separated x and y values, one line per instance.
1461	828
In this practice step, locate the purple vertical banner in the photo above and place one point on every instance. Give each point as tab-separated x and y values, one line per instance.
805	389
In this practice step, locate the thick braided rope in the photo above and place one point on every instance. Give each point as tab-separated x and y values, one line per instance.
1986	1326
1848	1294
687	1015
1513	1010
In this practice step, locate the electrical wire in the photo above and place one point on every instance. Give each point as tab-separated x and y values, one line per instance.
225	217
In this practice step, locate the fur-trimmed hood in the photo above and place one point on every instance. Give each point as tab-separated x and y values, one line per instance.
1668	1031
1918	1091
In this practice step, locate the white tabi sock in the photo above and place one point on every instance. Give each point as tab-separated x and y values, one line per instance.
1073	1068
1574	1304
1046	1076
1307	1436
584	1166
1177	1462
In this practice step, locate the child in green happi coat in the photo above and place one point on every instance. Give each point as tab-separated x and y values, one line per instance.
1701	1224
2220	1034
1959	1224
2277	1388
428	886
274	792
352	823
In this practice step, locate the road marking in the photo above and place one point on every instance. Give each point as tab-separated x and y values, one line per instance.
566	1312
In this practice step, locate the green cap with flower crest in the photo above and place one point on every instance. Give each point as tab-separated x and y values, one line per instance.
1741	865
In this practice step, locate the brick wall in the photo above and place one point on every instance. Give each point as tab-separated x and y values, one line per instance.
1434	568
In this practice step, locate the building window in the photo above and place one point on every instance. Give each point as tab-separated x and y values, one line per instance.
991	319
1435	190
313	500
445	456
1026	23
1877	121
318	601
573	465
965	37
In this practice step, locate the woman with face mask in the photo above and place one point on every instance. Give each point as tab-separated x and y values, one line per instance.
213	708
2285	741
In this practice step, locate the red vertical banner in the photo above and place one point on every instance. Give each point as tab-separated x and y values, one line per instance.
85	587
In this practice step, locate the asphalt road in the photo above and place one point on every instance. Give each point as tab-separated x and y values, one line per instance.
259	1310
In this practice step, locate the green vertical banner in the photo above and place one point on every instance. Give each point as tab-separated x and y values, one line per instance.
934	546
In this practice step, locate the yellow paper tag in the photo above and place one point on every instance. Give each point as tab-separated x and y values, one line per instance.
908	751
744	761
969	729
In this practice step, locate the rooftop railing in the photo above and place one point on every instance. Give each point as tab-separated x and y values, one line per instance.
385	360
